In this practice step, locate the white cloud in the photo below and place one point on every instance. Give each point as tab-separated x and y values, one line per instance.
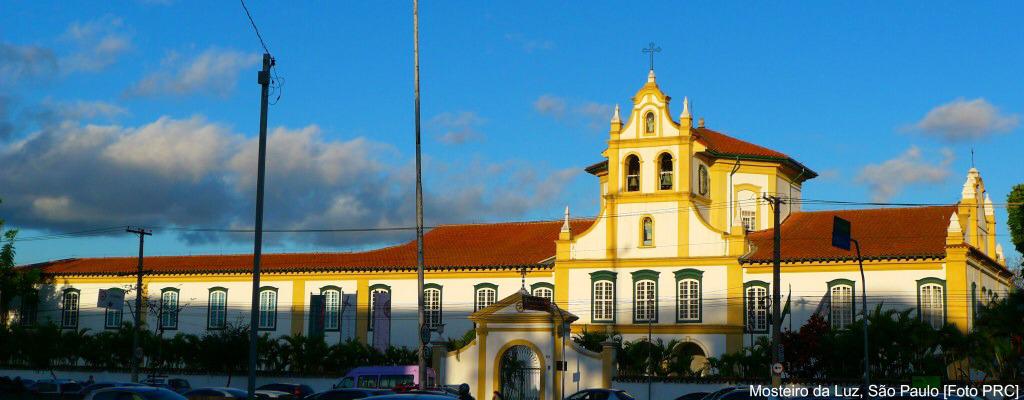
963	119
213	72
20	63
193	172
888	178
96	44
458	127
550	105
592	114
190	148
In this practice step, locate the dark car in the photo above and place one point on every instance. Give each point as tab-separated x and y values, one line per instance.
601	394
692	396
134	393
299	390
718	393
54	389
741	394
232	393
348	394
178	385
102	385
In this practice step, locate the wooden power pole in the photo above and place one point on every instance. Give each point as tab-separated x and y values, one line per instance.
257	250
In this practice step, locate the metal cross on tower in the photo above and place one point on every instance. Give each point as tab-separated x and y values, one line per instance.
651	49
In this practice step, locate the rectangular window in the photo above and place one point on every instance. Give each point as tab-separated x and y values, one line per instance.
332	309
749	220
543	292
604	301
268	310
932	307
646	301
485	297
757	308
69	309
689	300
169	309
218	309
112	318
432	307
841	314
28	311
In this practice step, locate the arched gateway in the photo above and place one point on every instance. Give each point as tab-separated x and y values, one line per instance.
523	350
520	374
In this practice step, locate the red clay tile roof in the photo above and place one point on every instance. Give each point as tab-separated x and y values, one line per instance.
883	233
722	145
499	245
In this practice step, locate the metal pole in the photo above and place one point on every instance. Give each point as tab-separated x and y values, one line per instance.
650	347
254	306
864	312
137	329
419	198
776	290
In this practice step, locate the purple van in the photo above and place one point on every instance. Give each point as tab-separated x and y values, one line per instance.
385	377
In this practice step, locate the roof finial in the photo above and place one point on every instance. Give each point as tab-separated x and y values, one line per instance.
700	122
616	117
651	49
650	76
685	119
565	224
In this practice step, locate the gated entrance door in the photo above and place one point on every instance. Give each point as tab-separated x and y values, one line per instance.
520	374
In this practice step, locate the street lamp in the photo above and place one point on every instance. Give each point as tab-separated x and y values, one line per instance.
841	238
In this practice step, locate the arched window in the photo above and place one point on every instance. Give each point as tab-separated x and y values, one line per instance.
112	316
645	301
604	300
332	307
376	291
649	123
665	171
841	308
756	301
217	309
746	209
688	295
432	305
703	181
486	294
268	309
543	289
632	173
69	309
169	309
647	232
931	301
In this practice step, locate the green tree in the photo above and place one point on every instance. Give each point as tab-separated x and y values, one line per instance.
1015	218
14	282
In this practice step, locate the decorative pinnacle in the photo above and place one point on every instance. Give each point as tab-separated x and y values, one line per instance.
565	224
686	108
650	76
616	118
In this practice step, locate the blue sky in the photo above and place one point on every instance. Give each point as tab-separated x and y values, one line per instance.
143	112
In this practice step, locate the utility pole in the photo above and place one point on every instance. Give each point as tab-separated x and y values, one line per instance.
776	203
136	353
254	306
424	329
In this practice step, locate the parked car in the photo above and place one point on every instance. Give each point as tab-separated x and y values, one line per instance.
741	393
232	393
718	393
384	377
300	391
404	396
348	394
601	394
692	396
437	391
178	385
101	385
135	393
54	388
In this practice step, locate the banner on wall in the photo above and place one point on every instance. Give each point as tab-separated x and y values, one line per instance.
381	321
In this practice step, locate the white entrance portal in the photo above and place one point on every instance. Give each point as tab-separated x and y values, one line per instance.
523	350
